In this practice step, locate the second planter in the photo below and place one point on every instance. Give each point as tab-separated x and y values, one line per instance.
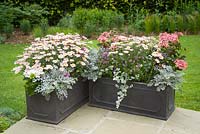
140	100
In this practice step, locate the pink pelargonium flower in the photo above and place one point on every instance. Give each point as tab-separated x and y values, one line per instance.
181	64
102	39
163	43
166	38
106	34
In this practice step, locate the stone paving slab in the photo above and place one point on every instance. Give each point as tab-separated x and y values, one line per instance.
91	120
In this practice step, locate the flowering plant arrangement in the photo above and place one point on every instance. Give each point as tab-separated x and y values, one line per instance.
127	59
53	63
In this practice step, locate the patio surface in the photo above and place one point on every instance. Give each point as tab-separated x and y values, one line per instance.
90	120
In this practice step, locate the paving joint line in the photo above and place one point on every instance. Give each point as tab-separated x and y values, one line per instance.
160	129
68	129
143	124
99	123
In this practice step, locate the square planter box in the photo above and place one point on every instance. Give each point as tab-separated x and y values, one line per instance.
140	100
55	110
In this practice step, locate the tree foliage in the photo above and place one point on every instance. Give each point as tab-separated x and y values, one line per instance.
58	8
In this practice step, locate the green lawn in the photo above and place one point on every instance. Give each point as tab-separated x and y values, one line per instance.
11	85
190	96
12	90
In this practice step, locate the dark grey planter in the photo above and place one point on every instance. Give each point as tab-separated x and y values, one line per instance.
140	100
55	110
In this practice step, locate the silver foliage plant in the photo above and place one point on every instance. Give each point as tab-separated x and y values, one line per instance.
166	77
92	70
122	79
55	80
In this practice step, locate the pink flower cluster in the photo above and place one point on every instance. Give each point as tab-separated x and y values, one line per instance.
181	64
104	37
166	38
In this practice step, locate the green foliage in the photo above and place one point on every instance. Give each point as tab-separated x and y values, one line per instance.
44	25
37	32
4	124
129	29
11	14
33	12
188	6
58	8
6	15
165	23
197	19
79	19
2	39
179	22
139	19
172	24
156	23
148	25
6	19
8	29
190	25
25	26
8	116
10	113
54	30
152	24
23	15
136	17
30	87
91	21
66	21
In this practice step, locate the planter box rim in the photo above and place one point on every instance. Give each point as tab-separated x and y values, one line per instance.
139	83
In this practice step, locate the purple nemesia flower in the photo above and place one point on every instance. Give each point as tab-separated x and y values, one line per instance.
83	48
67	75
105	55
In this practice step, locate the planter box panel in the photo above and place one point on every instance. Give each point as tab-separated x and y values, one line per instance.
140	100
55	110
